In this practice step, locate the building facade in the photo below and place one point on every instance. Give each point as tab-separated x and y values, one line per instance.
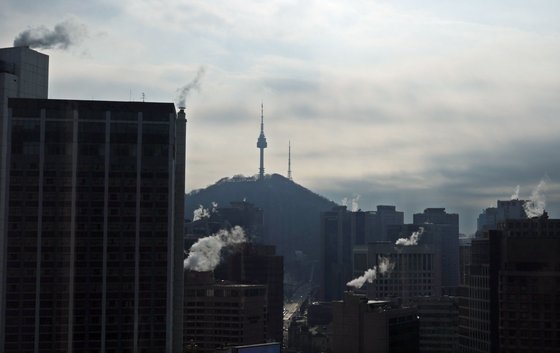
438	324
94	250
414	270
259	264
447	224
341	231
361	325
506	209
221	314
511	300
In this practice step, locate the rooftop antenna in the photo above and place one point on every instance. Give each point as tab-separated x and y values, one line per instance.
143	97
289	160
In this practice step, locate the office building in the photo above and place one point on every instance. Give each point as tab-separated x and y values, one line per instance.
447	224
414	271
341	231
222	314
506	209
510	302
361	325
259	264
438	324
24	73
94	250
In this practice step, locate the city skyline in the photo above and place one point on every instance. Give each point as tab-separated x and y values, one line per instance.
435	105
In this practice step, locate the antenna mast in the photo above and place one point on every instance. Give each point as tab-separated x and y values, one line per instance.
289	160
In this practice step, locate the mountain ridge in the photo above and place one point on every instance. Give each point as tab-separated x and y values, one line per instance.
291	211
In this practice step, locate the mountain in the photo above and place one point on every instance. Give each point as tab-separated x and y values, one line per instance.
291	212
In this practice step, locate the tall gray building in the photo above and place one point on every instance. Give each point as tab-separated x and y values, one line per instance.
511	299
506	209
92	250
341	230
447	225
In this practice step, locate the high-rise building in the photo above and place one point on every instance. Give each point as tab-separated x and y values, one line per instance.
259	264
511	301
94	250
386	216
506	209
449	229
222	314
337	241
24	73
438	324
341	231
414	270
478	305
360	325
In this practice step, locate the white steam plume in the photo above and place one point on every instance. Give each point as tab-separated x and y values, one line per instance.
202	212
205	254
351	203
355	205
515	195
63	35
368	276
412	240
184	91
534	207
386	265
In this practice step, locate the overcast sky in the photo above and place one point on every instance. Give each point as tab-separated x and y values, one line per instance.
412	103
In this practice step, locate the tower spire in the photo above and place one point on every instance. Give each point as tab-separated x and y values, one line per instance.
290	160
261	144
262	118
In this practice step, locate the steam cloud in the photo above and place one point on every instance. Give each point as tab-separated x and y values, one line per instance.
534	207
353	203
184	91
385	266
63	35
368	276
202	212
412	240
515	195
205	254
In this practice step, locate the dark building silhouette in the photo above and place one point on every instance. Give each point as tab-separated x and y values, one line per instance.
449	239
511	301
360	325
438	324
341	230
506	209
220	314
415	271
94	254
258	264
24	73
336	247
249	263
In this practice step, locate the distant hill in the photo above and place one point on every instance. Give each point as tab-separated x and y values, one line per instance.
291	212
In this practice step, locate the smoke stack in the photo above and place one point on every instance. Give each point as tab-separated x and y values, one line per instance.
199	277
182	114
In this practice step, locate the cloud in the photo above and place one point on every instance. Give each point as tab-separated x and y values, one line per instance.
406	103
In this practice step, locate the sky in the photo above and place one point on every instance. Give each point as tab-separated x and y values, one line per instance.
406	103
